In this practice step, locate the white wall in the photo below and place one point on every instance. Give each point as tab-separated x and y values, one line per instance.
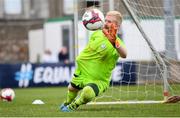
177	37
52	34
36	44
82	37
137	46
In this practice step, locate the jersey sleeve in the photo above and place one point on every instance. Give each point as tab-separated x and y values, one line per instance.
121	42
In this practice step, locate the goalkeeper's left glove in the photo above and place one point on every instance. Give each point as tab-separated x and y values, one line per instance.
110	33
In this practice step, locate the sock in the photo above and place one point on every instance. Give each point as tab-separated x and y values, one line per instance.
71	95
86	96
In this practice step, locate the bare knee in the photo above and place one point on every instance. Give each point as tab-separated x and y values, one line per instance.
71	88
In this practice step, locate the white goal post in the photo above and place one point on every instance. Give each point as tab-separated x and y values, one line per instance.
160	62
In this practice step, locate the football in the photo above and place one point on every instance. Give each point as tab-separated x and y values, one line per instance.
93	19
7	94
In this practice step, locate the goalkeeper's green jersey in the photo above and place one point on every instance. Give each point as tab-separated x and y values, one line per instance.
99	58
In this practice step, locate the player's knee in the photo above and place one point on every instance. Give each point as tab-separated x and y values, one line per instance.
71	88
88	94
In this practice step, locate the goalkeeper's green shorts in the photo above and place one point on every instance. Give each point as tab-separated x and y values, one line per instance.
80	81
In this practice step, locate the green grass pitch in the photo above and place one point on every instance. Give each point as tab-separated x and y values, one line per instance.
53	96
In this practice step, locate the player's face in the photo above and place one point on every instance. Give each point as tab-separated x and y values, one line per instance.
109	19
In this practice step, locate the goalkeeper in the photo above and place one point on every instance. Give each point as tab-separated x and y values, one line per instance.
95	64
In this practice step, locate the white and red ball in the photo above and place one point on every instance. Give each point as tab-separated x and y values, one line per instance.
93	19
7	94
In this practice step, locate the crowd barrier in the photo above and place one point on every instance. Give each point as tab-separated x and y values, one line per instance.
53	74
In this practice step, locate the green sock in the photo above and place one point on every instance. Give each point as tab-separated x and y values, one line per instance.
71	95
86	96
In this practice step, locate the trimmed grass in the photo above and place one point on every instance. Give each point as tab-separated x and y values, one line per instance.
53	96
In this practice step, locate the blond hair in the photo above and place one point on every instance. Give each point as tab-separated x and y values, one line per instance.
117	14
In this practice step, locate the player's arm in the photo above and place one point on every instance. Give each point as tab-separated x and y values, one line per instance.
121	49
118	44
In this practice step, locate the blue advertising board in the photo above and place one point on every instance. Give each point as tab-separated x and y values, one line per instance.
38	75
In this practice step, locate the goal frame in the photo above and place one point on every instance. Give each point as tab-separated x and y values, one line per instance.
158	59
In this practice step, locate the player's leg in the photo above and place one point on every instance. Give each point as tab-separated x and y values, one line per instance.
89	92
73	89
71	95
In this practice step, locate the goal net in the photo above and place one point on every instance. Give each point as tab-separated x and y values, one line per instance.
151	32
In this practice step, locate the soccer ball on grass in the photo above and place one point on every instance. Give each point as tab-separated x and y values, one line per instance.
93	19
7	94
